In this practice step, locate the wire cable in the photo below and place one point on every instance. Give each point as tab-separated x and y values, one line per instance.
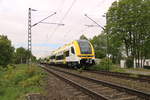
74	1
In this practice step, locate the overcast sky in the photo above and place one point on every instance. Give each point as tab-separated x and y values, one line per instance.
47	37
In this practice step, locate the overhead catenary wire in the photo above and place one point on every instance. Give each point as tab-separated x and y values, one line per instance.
80	33
65	15
59	9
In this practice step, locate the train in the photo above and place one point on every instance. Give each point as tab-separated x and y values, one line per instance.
78	53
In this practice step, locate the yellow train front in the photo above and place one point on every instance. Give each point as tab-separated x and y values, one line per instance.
75	54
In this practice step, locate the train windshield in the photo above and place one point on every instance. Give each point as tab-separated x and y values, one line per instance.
85	47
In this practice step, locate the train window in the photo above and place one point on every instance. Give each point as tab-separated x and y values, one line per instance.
72	50
57	57
67	53
85	47
60	57
52	57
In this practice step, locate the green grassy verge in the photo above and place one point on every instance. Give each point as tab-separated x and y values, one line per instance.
112	68
139	69
16	82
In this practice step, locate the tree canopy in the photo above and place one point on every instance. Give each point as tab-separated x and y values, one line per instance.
128	21
22	55
99	44
127	32
83	37
6	51
9	55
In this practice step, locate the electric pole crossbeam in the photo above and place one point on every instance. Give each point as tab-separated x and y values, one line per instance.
94	21
106	38
30	27
43	19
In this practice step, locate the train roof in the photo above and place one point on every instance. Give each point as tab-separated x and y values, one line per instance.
66	45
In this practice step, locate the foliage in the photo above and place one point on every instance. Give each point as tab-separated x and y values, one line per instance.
105	64
128	21
129	62
106	44
7	54
16	82
99	44
22	55
83	37
6	51
115	48
118	69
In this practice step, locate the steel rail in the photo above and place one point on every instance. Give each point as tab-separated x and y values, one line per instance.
112	85
136	77
91	93
141	78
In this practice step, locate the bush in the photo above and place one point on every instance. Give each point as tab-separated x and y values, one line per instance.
105	64
15	83
6	51
129	62
117	68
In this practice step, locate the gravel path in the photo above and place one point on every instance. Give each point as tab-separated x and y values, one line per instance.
106	91
57	89
142	86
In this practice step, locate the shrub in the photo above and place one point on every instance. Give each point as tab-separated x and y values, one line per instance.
117	69
129	62
31	70
15	83
105	64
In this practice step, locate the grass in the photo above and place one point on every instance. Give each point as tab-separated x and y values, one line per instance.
117	69
139	69
113	68
97	67
16	82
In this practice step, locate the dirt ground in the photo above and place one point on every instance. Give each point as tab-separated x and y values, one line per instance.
57	89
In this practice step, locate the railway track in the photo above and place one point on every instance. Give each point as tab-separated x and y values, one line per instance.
57	89
128	81
141	78
99	90
135	77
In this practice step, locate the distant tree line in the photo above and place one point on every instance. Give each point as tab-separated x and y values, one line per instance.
21	55
127	31
9	55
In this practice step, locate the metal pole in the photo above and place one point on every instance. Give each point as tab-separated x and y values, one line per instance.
29	31
107	51
29	35
107	44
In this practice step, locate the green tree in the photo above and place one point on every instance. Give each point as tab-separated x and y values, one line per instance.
103	46
22	55
6	51
115	48
83	37
129	22
99	44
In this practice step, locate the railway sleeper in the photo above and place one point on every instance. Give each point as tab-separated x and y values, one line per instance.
117	95
123	89
128	98
108	92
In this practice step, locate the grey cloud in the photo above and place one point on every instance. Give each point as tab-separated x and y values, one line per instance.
13	16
